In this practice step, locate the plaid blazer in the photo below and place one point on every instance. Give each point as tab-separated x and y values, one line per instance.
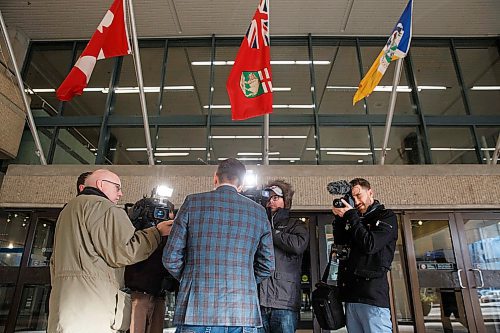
219	248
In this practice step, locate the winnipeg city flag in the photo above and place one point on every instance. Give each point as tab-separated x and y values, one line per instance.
109	40
249	83
396	47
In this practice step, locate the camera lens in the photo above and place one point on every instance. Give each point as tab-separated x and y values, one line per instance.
160	213
337	203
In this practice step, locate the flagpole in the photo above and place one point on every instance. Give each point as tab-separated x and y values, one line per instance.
20	83
140	83
392	104
266	116
497	151
266	139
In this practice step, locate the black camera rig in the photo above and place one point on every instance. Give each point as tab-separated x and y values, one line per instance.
149	211
258	195
341	187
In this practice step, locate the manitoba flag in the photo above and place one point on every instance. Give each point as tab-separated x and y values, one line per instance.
109	40
249	84
397	47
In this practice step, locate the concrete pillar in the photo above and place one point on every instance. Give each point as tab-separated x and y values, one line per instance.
12	110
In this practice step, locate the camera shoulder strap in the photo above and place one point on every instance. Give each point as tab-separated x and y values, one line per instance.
327	268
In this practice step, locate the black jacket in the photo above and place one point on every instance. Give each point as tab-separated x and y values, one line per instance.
290	239
362	276
149	276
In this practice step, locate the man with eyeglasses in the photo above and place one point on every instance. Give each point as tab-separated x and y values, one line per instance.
94	240
280	295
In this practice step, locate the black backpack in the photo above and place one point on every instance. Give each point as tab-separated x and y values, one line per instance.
326	303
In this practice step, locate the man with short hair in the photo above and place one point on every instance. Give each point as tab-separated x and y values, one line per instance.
370	233
280	295
80	182
220	248
94	240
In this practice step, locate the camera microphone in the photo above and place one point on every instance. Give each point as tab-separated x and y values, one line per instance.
339	187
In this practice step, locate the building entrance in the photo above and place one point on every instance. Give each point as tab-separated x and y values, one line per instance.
453	268
445	275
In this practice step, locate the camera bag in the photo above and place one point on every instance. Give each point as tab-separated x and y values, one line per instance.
326	303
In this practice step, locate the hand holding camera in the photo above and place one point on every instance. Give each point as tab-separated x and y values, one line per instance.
340	210
165	227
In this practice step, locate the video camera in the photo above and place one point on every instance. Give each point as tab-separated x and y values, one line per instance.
149	211
340	225
259	196
341	187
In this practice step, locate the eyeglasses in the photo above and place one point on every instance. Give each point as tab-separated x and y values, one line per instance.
118	186
275	198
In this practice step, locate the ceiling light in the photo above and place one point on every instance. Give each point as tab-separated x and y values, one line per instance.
485	88
180	148
431	88
387	88
218	106
249	154
170	154
452	149
258	154
342	149
103	90
136	149
288	137
42	90
275	106
284	159
167	149
178	88
236	137
242	158
258	137
282	89
348	153
273	62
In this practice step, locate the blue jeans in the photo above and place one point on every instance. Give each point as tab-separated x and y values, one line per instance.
364	318
278	320
214	329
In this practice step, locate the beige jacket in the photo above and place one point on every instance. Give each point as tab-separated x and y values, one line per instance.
94	240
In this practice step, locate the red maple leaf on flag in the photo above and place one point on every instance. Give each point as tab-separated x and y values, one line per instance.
109	40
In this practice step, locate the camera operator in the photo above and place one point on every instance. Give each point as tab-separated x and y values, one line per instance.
369	232
148	280
280	295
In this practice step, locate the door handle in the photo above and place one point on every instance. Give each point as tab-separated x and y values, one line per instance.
460	279
480	276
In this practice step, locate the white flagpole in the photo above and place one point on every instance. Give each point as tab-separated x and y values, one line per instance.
392	104
140	83
266	139
266	116
497	151
20	83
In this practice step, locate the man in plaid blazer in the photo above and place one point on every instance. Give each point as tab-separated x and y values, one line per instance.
220	248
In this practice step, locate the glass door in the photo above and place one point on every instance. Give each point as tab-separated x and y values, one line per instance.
437	274
481	238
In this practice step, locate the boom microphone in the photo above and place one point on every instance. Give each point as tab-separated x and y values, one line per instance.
339	187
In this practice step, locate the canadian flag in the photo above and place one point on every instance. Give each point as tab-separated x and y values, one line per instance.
109	40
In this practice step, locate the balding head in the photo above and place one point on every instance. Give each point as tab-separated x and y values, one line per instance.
106	181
